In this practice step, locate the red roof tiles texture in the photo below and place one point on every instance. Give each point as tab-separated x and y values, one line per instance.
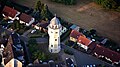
83	40
114	56
26	18
9	11
75	34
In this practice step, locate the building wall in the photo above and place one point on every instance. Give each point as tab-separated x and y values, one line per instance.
83	46
73	39
14	63
54	40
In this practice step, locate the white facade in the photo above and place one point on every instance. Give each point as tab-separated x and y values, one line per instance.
83	46
54	29
28	24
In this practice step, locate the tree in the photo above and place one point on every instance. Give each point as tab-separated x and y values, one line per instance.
38	6
111	4
44	12
66	2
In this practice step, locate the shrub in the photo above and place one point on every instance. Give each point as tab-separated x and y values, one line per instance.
68	52
111	4
66	2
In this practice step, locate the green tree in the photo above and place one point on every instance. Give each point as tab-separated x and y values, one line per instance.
111	4
38	5
44	12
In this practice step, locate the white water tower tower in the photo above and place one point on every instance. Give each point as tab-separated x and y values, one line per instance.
54	29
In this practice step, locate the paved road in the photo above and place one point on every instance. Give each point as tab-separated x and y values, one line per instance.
84	59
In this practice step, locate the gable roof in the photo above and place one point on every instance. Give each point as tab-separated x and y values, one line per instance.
26	18
92	45
12	50
8	11
8	51
43	24
83	40
100	50
75	34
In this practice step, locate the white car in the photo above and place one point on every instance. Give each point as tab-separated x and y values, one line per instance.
33	31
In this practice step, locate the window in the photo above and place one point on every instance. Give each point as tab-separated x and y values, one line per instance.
51	45
51	50
55	39
51	32
56	32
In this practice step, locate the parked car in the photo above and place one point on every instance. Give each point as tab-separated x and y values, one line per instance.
33	31
69	62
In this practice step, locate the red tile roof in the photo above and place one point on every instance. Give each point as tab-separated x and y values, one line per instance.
75	34
114	56
84	40
92	45
26	18
9	11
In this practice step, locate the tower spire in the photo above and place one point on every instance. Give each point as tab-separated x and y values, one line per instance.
55	15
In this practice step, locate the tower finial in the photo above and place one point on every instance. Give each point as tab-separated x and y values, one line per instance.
55	15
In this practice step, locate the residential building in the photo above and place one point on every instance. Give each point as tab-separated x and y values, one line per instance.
54	29
13	53
83	42
74	35
42	25
10	13
92	46
26	19
106	53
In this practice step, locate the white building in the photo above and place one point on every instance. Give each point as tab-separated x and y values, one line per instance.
54	29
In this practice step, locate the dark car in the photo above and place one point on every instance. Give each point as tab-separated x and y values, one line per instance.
69	62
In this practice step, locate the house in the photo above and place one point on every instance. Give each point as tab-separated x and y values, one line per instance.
74	35
92	45
13	53
42	25
75	27
102	52
83	42
10	13
26	19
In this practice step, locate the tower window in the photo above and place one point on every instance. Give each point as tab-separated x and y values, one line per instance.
56	32
51	45
55	39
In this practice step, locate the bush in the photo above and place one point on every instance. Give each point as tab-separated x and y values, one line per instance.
66	2
68	52
111	4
